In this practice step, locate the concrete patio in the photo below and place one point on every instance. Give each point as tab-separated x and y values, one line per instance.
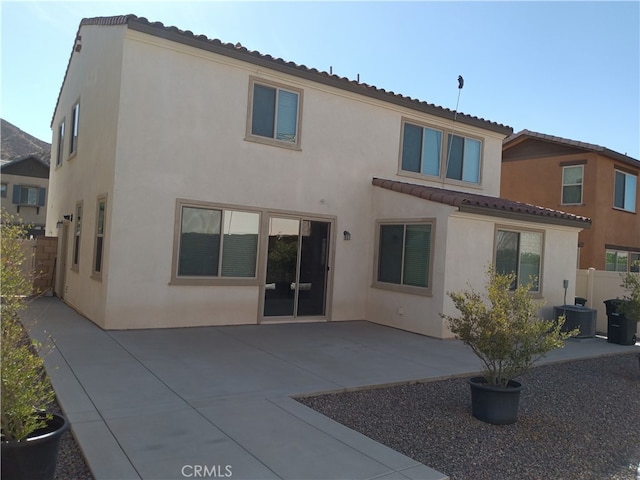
169	403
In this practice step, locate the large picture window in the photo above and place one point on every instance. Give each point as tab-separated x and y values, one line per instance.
520	252
625	191
217	243
424	152
275	114
404	254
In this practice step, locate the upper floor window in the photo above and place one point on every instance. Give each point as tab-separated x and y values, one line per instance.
520	252
215	243
60	151
3	190
73	141
572	180
29	196
404	256
274	114
463	159
624	196
423	152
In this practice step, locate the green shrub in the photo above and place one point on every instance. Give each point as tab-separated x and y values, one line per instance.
503	328
26	389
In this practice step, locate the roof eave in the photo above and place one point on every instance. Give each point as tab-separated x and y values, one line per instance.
527	217
312	74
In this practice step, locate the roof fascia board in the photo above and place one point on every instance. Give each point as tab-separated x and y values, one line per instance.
524	217
311	75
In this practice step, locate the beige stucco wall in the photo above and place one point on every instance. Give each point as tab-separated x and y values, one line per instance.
182	122
173	126
93	78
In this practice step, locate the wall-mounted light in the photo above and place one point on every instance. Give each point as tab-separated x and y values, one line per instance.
59	224
347	235
68	217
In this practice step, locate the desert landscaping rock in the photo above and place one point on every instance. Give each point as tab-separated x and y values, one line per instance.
577	420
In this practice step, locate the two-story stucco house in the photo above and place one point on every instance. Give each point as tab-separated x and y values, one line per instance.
584	179
24	191
199	183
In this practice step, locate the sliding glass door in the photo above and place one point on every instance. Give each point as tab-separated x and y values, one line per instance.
297	266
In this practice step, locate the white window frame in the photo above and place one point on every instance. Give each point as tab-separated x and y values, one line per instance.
581	185
274	141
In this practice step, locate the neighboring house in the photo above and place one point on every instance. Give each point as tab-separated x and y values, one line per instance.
582	179
199	183
24	191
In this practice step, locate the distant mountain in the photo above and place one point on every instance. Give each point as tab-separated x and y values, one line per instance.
16	143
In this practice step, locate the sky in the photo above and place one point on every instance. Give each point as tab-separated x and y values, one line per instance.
569	69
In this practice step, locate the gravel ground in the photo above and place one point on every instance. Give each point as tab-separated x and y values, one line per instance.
577	420
71	464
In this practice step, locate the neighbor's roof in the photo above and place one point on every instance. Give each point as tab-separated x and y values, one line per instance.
241	53
523	135
485	205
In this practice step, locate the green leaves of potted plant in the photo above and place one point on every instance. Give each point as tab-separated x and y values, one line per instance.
503	329
30	437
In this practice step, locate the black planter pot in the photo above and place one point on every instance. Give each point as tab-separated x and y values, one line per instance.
496	405
35	458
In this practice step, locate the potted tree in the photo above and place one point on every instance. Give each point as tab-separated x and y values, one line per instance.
503	329
624	314
30	437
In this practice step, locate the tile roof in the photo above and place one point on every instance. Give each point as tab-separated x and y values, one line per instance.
528	134
241	53
485	205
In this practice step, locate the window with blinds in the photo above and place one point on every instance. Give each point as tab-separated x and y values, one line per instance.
217	242
274	114
404	254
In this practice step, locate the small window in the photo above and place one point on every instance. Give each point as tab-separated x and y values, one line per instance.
421	150
76	237
404	255
101	213
3	190
60	151
73	141
624	196
217	243
572	180
275	114
463	159
634	262
520	252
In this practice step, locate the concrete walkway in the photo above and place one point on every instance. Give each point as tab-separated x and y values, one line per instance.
216	401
